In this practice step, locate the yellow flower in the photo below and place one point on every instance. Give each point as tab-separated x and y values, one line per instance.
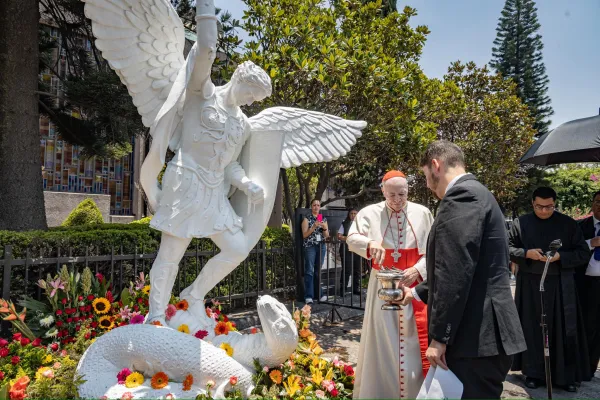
101	305
292	385
146	289
317	376
106	323
134	380
48	359
40	371
228	349
230	327
329	375
184	328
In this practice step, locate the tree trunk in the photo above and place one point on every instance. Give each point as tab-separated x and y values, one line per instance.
21	193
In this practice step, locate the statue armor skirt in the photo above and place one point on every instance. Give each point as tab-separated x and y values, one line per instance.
194	203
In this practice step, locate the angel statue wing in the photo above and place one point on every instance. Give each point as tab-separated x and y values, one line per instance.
283	137
308	136
143	41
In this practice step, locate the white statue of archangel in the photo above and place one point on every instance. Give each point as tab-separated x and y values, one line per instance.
224	161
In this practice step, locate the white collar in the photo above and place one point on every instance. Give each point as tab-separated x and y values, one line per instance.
453	182
596	222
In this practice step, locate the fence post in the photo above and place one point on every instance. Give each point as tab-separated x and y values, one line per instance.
264	266
8	257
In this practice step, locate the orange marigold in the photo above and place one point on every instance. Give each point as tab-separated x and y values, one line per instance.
276	376
221	328
157	323
305	333
188	382
159	380
182	305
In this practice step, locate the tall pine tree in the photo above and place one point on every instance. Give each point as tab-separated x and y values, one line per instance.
517	54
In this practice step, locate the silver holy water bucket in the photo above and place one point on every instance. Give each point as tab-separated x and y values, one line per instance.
391	288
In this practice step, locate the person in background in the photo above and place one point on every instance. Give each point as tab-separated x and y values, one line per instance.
587	279
351	263
314	232
529	239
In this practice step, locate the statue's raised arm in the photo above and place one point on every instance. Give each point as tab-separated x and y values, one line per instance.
206	30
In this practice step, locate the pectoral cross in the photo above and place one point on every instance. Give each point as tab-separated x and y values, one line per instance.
396	255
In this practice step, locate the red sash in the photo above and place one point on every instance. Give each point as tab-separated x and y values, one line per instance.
408	258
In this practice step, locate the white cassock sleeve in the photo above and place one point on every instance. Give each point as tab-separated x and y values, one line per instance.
357	237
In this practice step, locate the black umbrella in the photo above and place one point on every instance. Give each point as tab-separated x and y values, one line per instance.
572	142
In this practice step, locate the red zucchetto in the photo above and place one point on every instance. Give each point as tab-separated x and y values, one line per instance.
393	174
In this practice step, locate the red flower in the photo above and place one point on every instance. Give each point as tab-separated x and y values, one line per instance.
201	334
225	318
123	323
217	311
136	308
4	352
17	336
69	320
233	380
82	308
334	392
54	346
59	334
3	342
80	298
37	342
94	325
65	332
64	301
1	375
59	324
25	341
15	360
109	296
94	333
146	302
88	335
348	370
77	328
140	300
59	312
100	277
90	297
234	325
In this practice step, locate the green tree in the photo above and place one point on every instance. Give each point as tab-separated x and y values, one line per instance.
21	195
387	6
575	186
86	213
344	58
517	54
482	113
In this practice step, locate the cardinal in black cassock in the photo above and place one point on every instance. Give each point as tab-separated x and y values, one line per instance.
529	239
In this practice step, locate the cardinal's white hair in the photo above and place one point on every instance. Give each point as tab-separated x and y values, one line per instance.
251	74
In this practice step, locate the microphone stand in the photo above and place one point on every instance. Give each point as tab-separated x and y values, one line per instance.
554	246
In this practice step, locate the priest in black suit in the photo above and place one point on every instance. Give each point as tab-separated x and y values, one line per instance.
529	238
587	279
474	327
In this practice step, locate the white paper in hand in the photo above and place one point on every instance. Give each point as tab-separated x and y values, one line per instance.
440	384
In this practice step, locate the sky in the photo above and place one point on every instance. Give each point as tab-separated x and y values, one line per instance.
465	30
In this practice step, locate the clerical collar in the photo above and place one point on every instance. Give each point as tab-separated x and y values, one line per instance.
395	211
453	182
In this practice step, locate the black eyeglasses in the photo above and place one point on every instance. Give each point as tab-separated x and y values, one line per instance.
544	208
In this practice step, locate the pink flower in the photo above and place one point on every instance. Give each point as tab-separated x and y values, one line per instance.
138	319
125	312
63	353
48	374
104	398
328	385
233	380
593	178
100	277
306	311
320	394
170	396
57	365
3	342
210	383
265	369
127	396
122	375
141	282
336	361
57	284
201	334
170	311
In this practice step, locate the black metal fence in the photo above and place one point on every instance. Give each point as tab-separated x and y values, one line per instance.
266	270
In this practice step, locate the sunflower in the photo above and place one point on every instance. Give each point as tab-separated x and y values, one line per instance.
276	376
182	305
222	328
184	328
159	380
101	305
146	289
228	349
106	323
134	380
188	382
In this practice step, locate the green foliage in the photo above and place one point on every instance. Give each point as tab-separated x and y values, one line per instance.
482	113
145	220
64	384
517	54
575	187
86	213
